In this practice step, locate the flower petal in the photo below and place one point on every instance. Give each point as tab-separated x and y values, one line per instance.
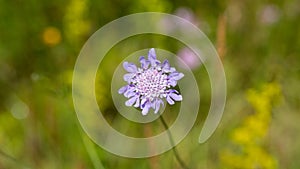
129	93
131	101
146	108
137	103
152	57
153	105
152	54
122	89
176	97
144	62
176	76
158	102
172	82
169	100
166	66
143	102
130	67
172	69
128	77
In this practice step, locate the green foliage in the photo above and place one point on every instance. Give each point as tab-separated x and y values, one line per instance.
39	43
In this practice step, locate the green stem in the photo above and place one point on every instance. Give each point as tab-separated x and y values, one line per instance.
180	161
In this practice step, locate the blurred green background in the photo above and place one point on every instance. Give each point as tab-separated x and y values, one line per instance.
258	42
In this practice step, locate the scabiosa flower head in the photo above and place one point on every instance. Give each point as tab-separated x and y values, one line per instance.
150	83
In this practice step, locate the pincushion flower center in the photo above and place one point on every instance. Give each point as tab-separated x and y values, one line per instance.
151	83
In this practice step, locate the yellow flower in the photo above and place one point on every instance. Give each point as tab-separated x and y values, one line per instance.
51	36
248	151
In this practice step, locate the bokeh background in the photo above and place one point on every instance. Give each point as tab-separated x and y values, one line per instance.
258	42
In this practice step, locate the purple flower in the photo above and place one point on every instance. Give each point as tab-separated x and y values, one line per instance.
189	58
149	84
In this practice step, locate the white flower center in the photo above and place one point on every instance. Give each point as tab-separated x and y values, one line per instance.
151	83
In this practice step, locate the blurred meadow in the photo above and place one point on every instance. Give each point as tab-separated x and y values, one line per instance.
257	41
